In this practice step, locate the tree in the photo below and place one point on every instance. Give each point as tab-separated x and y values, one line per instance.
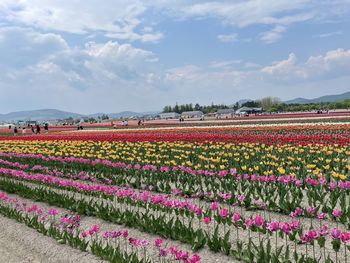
104	117
268	103
251	104
176	108
167	108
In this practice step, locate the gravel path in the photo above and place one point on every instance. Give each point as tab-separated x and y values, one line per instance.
19	243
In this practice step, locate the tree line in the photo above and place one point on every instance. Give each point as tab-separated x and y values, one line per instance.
269	104
189	107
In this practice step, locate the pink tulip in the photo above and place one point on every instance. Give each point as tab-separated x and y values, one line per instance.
249	222
273	226
53	212
310	210
337	213
236	217
312	235
332	186
95	228
241	198
305	238
259	221
214	206
299	183
195	259
158	242
163	252
206	220
224	213
336	233
295	225
345	237
321	216
125	233
324	231
286	228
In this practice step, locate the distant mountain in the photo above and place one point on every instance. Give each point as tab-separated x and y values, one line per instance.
53	114
124	114
44	114
327	98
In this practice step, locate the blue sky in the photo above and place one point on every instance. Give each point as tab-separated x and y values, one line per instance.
86	57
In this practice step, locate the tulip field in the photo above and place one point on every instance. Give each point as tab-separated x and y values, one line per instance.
275	192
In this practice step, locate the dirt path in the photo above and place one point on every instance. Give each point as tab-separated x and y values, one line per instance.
19	243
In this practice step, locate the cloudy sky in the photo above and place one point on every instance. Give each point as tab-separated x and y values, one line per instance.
114	55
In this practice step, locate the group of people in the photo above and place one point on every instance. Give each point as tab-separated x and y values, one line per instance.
35	129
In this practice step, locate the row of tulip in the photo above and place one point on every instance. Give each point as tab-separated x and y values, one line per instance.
260	192
284	232
108	167
199	137
187	207
67	229
331	129
245	158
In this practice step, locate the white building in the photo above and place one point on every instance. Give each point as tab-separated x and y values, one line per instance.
192	114
225	113
248	110
169	115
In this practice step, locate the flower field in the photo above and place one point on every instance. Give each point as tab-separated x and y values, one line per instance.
278	192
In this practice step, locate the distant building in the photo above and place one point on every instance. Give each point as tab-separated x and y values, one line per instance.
70	121
248	110
34	123
225	113
192	114
169	115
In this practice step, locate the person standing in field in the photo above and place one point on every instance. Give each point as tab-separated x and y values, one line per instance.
46	128
37	129
24	130
15	131
33	131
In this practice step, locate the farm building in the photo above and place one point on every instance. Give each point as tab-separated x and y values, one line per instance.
248	110
169	115
225	113
192	114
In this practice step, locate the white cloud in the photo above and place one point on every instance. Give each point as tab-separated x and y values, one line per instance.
20	47
333	64
114	18
107	75
127	19
112	77
273	35
330	34
280	15
251	65
226	64
281	67
228	38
